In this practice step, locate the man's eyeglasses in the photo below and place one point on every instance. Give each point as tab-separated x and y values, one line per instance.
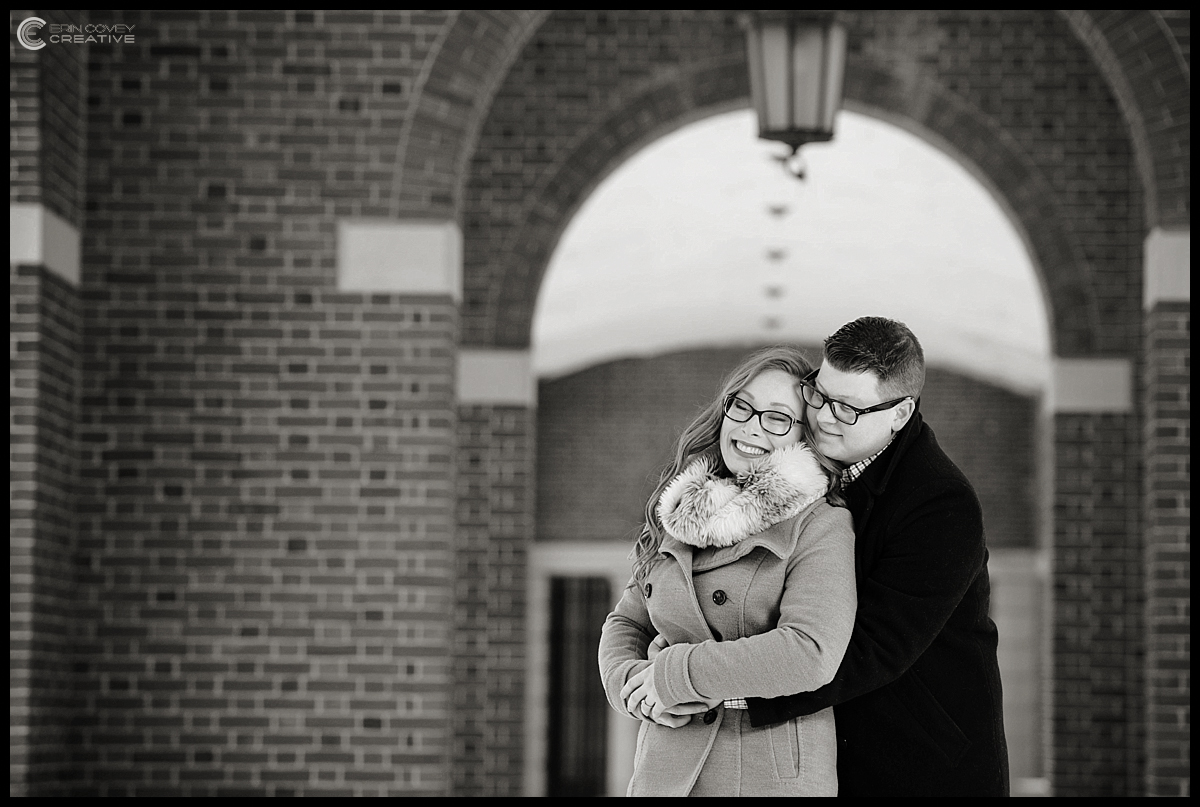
773	422
844	412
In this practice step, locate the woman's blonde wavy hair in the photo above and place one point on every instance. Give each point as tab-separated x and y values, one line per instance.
702	439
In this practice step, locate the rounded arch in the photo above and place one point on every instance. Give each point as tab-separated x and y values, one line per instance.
656	111
1057	257
804	266
453	92
1148	70
529	176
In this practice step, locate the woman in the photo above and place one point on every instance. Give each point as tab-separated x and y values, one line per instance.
744	575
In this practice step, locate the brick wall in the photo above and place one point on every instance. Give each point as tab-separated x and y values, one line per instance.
49	127
63	124
43	412
605	433
267	504
1166	487
265	526
24	132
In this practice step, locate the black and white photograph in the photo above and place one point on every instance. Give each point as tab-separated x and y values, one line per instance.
503	403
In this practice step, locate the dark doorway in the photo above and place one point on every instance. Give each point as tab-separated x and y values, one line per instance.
577	735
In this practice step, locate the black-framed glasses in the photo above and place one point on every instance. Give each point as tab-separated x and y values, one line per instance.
841	410
773	422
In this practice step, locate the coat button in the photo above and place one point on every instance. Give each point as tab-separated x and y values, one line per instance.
648	589
719	597
710	716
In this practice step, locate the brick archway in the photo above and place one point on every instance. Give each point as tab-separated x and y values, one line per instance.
661	106
243	463
470	54
555	156
1144	57
1018	99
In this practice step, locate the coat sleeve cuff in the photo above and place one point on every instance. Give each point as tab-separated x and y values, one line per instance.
616	680
671	676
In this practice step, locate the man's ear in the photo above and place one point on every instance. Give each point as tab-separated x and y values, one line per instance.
901	413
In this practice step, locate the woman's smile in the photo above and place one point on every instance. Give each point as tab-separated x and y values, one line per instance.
750	450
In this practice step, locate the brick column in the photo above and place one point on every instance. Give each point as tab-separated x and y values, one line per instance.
46	90
1167	444
44	405
1096	647
496	430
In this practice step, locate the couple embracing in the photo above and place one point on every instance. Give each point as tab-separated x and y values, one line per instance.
808	613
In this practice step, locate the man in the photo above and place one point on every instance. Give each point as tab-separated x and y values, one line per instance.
917	697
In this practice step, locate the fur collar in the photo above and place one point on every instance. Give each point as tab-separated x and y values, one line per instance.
702	509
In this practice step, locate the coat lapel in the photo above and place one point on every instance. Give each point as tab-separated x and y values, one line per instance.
682	553
861	494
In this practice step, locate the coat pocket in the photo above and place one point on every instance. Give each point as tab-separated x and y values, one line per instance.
785	748
943	733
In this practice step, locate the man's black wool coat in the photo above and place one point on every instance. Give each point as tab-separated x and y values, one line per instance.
917	697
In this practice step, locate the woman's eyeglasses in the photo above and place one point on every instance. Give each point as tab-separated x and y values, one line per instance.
773	422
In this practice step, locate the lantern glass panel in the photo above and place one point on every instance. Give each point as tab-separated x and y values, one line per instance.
835	66
754	56
808	90
776	92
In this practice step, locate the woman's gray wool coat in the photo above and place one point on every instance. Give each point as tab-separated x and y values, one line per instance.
754	592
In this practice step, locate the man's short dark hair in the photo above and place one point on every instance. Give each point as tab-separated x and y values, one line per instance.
881	346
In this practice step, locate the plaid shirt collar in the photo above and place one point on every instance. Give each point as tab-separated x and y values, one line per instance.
852	472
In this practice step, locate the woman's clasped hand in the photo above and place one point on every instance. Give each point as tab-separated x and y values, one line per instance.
641	699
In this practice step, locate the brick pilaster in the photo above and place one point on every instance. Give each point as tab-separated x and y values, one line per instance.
46	180
44	381
495	526
1097	641
1167	486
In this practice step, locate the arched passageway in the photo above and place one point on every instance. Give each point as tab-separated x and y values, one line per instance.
273	413
699	246
1033	120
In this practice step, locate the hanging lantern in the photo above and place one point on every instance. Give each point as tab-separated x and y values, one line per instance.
797	61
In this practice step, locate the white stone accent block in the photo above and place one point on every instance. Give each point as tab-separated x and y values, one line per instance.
415	256
1168	257
496	377
38	235
1091	386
